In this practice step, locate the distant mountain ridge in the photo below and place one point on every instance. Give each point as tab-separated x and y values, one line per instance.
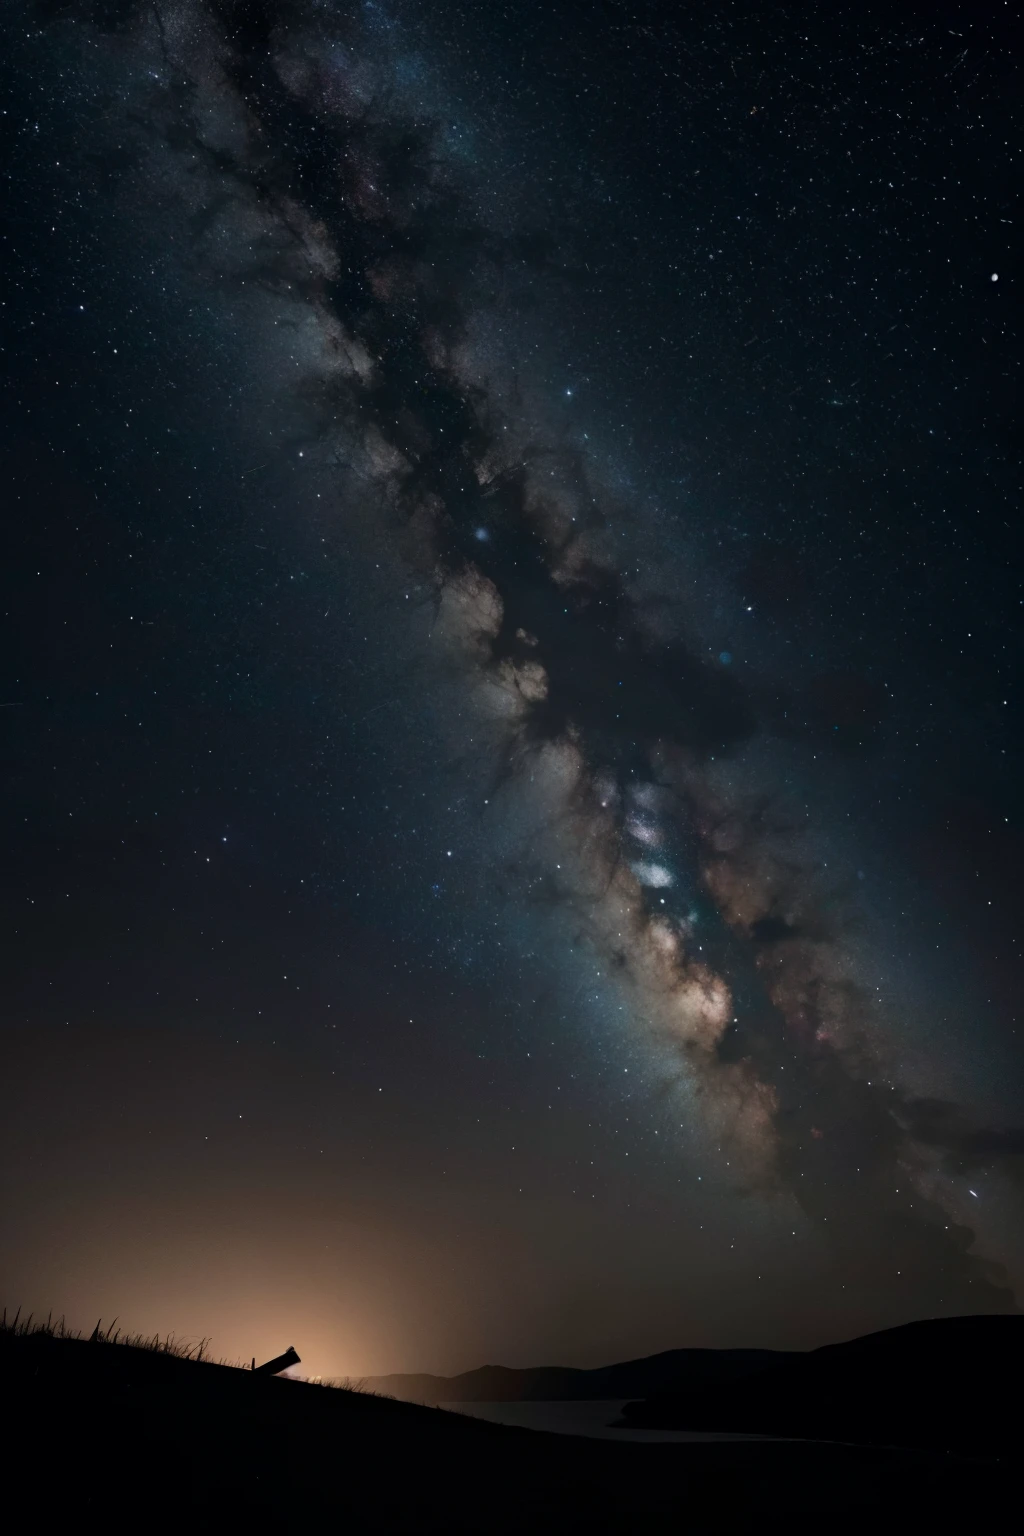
673	1370
947	1383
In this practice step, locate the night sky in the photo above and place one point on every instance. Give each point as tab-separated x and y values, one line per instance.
510	715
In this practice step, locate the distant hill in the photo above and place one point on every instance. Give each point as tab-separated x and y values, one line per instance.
672	1370
948	1383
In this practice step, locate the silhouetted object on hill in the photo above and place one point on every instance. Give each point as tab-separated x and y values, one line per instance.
279	1363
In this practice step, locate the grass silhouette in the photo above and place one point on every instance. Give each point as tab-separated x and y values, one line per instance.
29	1327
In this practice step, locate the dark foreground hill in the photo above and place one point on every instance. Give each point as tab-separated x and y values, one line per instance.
673	1370
948	1384
114	1438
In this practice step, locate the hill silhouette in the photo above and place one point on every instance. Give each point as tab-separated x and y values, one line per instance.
143	1438
673	1369
943	1383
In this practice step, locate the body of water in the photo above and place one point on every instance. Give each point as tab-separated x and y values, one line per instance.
582	1418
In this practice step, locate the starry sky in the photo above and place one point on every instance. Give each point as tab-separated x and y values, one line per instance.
510	714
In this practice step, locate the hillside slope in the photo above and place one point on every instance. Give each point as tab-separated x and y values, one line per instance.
132	1440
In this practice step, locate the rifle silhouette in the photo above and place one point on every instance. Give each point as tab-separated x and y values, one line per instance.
281	1363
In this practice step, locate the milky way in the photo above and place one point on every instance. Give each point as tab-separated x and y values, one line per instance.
688	842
